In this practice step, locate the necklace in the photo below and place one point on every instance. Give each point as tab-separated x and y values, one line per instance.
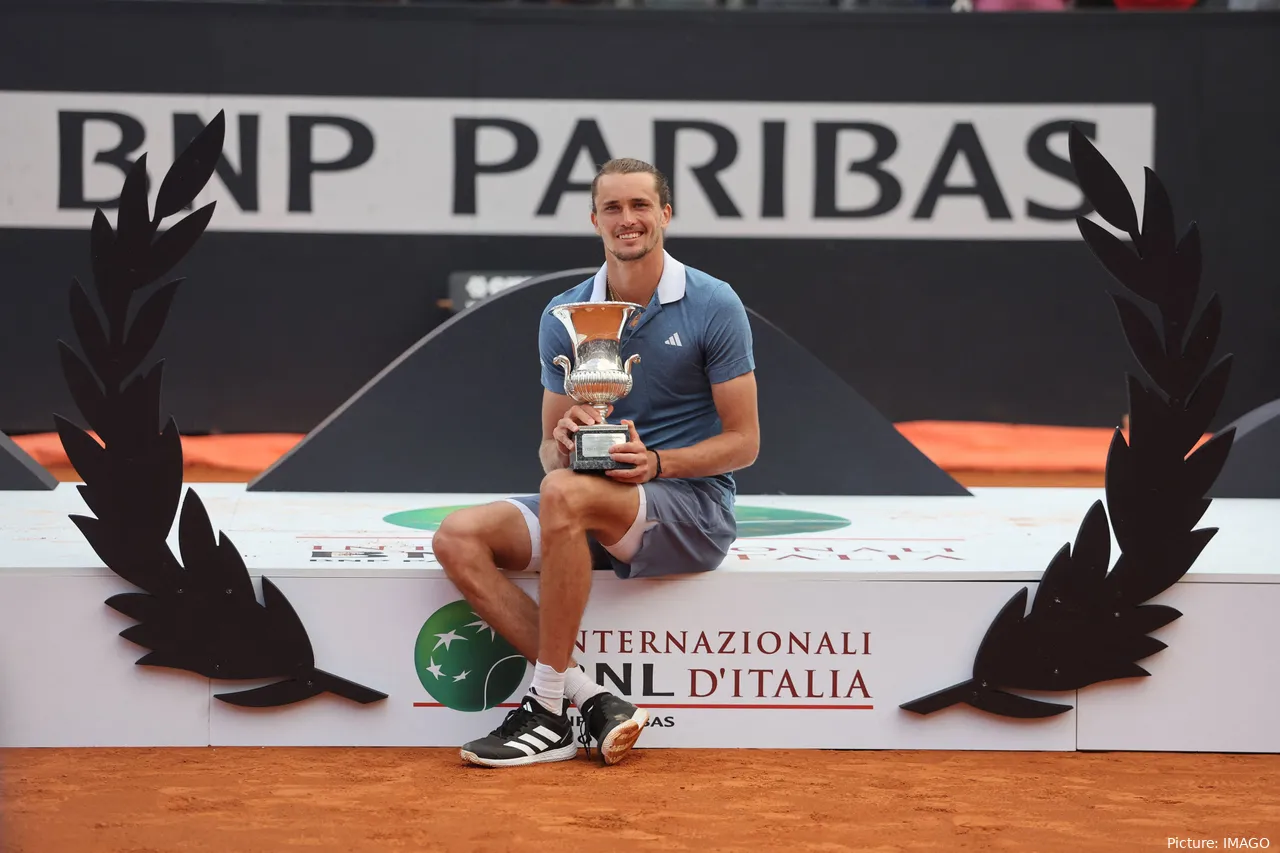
613	297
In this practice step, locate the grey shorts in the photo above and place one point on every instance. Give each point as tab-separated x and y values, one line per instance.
682	527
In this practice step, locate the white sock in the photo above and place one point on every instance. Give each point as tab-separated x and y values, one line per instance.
548	687
579	686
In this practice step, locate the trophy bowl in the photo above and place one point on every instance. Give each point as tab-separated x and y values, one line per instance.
597	377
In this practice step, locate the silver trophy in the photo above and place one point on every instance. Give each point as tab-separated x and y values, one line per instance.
598	376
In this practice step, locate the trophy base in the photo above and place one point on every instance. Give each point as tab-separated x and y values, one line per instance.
591	445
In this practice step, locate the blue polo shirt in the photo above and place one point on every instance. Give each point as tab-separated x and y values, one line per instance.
694	333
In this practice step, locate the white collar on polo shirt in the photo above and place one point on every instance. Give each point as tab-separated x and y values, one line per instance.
670	286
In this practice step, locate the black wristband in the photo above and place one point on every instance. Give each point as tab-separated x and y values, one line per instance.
658	473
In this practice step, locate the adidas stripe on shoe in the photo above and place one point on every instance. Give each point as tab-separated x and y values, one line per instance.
530	734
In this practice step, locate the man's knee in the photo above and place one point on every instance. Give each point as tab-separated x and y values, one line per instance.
478	539
564	498
579	503
456	542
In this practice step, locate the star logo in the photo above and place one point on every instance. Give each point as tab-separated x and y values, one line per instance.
446	638
481	626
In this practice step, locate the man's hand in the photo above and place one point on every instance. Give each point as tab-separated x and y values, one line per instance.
634	453
568	425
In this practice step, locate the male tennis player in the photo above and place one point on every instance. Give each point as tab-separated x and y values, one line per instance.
693	420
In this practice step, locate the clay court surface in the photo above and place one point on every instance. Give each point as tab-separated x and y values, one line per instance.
270	800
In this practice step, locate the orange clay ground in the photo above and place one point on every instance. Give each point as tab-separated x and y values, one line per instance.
273	800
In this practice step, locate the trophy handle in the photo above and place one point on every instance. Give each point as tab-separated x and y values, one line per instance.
564	364
635	359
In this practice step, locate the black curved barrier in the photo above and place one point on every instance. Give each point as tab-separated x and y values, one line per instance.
1253	468
460	412
19	472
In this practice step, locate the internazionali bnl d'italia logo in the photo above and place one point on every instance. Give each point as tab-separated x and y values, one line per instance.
465	665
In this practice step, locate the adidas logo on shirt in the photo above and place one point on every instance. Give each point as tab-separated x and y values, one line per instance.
674	340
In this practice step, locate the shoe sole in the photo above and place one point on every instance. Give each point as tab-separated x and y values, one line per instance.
564	753
619	741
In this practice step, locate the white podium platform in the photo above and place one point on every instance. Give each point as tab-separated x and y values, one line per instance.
827	615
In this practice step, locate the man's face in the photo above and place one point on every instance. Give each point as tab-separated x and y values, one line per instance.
628	217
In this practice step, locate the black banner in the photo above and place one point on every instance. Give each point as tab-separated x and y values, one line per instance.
889	190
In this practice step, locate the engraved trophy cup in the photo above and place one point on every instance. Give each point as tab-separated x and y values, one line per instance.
598	377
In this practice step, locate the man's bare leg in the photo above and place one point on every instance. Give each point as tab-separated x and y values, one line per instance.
476	545
473	546
573	505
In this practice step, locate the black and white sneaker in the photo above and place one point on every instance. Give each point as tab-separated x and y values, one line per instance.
529	735
613	723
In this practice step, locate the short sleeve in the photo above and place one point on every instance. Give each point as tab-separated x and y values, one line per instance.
553	340
729	350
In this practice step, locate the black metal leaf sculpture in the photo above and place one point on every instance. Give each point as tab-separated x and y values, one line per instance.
200	614
1087	624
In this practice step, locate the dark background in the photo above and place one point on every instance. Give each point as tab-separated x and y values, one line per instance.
273	331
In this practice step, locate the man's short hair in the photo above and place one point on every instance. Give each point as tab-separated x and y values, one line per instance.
631	166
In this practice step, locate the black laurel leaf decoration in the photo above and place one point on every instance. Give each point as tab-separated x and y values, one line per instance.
1205	464
1204	403
89	330
87	456
1057	587
224	571
201	614
1157	219
1152	617
1012	705
1089	624
1202	339
1118	258
139	606
146	326
85	390
137	411
191	171
1144	340
143	564
101	248
296	689
173	245
134	226
1101	185
1185	278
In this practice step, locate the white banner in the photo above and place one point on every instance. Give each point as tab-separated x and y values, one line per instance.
472	166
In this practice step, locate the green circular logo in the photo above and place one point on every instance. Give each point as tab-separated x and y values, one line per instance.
428	518
772	521
753	521
464	663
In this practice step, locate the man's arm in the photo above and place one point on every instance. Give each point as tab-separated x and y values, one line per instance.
738	443
552	453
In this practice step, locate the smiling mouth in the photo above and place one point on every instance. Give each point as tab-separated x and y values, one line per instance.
629	235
